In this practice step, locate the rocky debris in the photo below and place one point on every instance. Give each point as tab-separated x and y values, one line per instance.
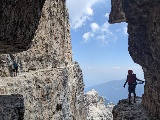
11	107
135	111
96	109
19	21
143	19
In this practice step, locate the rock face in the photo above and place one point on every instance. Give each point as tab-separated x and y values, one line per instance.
135	111
12	107
96	109
49	94
143	19
50	82
51	45
19	21
117	15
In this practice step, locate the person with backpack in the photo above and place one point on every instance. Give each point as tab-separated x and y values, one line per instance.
15	68
131	79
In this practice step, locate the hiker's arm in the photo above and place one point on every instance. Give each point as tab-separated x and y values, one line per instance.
125	83
138	79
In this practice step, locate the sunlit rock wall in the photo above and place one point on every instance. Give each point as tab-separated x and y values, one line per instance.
49	94
50	82
96	109
143	19
51	45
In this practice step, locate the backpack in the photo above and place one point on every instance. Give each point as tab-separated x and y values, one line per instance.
15	65
131	79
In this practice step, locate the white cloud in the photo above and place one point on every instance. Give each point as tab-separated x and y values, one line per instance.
86	36
117	30
125	30
101	33
80	11
94	26
137	68
89	11
117	67
105	27
107	15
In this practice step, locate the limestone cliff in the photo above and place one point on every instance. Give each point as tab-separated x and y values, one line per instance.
19	21
11	107
143	19
51	43
96	109
49	94
49	81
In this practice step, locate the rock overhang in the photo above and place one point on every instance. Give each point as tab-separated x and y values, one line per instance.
143	19
19	22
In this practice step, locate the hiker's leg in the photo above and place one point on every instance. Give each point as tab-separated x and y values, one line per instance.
13	72
129	89
16	71
129	97
134	94
134	97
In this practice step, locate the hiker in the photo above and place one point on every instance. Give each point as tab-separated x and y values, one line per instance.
131	79
15	68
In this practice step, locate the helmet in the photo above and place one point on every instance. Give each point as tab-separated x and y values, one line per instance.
130	72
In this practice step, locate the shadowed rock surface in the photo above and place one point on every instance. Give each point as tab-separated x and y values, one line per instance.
11	107
135	111
19	22
143	19
116	15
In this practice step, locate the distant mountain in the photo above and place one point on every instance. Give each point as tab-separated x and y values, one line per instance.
106	101
114	91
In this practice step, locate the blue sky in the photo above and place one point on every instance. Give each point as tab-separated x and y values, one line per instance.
100	48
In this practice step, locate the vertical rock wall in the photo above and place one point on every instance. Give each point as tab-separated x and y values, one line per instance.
12	107
51	45
19	21
50	82
143	19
